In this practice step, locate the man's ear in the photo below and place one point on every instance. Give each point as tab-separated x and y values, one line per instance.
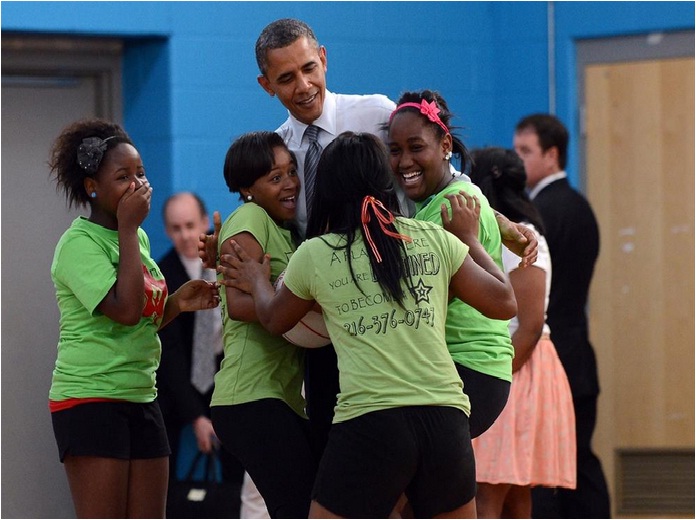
552	154
322	57
265	84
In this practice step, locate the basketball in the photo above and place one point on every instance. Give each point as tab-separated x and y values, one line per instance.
310	331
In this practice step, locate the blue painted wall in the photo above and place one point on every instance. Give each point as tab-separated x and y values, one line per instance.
190	73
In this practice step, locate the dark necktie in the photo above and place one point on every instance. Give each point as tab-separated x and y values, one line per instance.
310	164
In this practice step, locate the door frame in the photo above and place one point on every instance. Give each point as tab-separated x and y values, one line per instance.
41	58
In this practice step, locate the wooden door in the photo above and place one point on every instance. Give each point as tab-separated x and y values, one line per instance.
640	182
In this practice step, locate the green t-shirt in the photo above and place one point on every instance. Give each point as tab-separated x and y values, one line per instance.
388	356
258	364
475	341
98	357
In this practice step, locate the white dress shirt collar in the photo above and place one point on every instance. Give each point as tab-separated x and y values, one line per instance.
545	182
193	266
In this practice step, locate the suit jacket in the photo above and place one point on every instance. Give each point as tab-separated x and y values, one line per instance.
573	237
179	400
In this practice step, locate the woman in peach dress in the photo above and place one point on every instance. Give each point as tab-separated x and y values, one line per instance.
532	443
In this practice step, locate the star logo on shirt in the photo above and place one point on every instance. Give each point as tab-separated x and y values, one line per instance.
421	292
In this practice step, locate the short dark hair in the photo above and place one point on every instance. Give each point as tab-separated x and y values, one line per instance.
250	157
63	163
279	34
550	131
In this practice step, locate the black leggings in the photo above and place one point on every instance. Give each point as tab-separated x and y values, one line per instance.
321	391
487	395
272	443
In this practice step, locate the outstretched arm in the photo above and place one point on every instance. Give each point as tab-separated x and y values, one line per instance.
194	295
479	282
518	238
277	311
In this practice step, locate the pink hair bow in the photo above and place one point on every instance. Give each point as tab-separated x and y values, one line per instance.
429	110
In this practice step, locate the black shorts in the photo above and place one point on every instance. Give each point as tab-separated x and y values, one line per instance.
488	395
116	430
424	451
272	443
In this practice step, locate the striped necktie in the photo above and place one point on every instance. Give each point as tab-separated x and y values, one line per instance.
203	357
310	164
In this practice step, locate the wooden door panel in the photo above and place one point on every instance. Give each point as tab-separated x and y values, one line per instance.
640	181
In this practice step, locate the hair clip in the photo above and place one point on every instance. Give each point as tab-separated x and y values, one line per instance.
91	152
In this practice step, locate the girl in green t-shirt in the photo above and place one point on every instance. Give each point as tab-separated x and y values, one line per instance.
420	146
257	406
112	300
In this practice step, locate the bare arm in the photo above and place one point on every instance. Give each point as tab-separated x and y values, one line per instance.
519	239
529	285
479	282
124	303
482	290
194	295
240	304
278	311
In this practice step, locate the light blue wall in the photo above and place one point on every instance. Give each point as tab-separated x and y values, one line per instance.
190	73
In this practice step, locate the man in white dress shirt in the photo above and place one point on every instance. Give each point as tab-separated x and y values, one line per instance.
293	67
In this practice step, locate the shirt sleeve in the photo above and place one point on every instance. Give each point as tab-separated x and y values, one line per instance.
299	274
89	285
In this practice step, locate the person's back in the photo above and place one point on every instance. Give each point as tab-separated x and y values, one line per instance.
388	355
573	238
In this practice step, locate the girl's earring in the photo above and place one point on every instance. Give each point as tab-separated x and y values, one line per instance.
93	194
249	198
448	155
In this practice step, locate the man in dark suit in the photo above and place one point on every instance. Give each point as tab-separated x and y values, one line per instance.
185	375
541	140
